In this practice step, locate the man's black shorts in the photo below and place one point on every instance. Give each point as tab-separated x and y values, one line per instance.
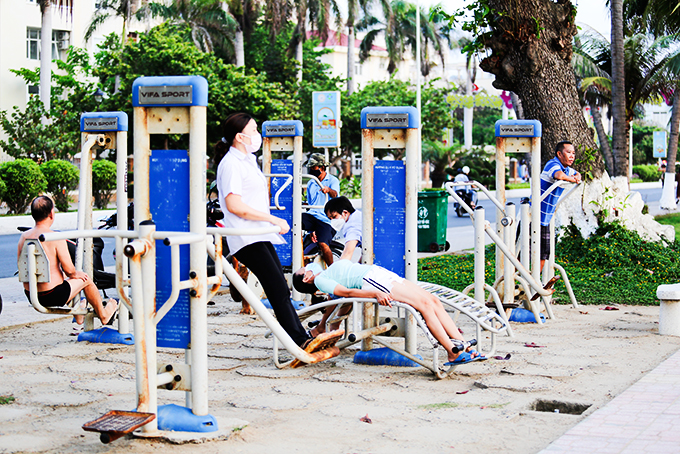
55	297
545	242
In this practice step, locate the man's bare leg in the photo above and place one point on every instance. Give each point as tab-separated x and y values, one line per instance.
321	327
93	297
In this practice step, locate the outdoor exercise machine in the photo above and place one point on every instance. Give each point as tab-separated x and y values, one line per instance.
99	131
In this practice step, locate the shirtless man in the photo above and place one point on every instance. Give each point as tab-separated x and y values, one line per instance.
60	291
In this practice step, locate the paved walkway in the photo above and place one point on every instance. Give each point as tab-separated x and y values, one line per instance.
645	418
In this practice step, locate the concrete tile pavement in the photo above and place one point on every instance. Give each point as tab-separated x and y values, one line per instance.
645	418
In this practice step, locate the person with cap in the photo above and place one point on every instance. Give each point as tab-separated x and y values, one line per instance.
346	279
315	220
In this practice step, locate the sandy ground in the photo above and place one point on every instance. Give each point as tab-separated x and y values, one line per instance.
588	356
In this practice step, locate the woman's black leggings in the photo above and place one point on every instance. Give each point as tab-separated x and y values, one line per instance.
262	260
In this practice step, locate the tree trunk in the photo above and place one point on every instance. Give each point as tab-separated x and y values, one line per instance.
298	57
619	136
46	56
350	59
531	56
602	137
668	194
517	105
238	44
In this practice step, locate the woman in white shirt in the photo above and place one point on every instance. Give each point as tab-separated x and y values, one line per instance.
244	200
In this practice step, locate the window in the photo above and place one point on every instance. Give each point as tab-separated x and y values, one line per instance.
357	70
33	43
32	90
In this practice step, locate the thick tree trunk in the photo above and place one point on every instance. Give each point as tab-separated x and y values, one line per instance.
619	136
531	44
602	137
298	57
350	60
517	105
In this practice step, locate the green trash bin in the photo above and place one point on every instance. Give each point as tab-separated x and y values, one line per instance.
432	221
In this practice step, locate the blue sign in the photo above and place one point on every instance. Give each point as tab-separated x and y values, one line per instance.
169	91
518	128
103	122
283	166
169	205
389	215
284	128
391	117
326	119
660	144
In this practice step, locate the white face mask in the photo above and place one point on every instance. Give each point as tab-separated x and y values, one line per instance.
338	223
255	142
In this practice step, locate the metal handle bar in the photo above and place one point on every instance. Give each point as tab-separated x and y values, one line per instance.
289	179
316	180
449	185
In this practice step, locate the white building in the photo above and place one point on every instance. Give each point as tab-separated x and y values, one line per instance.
20	23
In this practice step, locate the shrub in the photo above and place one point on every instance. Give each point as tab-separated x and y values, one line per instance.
103	182
62	177
23	182
647	172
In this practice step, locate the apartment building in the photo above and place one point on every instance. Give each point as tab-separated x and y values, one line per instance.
20	42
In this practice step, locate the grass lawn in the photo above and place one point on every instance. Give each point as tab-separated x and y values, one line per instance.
671	219
613	266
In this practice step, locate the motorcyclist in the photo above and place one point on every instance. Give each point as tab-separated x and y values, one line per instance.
468	194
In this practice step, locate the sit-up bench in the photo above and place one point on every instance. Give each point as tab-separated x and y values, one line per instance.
34	268
485	319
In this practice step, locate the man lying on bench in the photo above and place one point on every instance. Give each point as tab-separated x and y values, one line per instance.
59	291
346	279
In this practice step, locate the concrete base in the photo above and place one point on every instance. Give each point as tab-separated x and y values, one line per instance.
227	427
669	310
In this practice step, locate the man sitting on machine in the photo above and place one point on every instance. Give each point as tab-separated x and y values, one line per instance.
60	291
315	221
353	280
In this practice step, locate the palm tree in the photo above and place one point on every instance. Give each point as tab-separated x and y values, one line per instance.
594	84
319	13
244	12
46	46
108	9
353	9
209	23
400	33
620	129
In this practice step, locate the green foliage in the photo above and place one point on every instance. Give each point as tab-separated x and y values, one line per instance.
103	182
4	400
613	266
350	187
670	219
587	161
395	92
23	182
163	51
482	167
643	144
62	177
483	126
28	137
647	172
440	156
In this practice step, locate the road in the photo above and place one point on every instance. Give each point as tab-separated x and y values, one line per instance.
648	195
8	250
457	227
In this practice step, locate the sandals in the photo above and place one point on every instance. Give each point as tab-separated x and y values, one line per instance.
114	311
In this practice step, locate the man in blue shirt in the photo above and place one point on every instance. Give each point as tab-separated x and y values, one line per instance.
555	169
315	220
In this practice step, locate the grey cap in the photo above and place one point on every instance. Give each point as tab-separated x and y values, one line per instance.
317	159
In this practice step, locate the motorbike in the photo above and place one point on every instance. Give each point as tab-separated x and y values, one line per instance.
469	197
